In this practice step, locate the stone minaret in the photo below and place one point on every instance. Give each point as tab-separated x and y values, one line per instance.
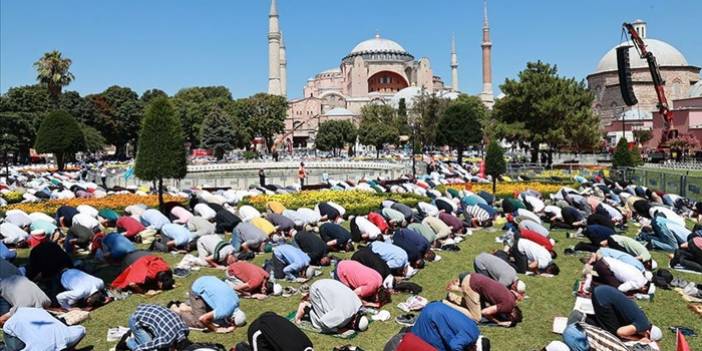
273	51
283	68
486	95
454	65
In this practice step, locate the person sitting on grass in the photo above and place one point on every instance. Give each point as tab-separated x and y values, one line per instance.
364	281
689	255
177	237
470	292
501	271
362	229
200	226
212	305
625	277
311	244
291	263
336	237
215	251
155	327
246	237
36	329
417	247
446	329
17	291
113	247
395	257
81	290
143	272
332	307
130	227
250	280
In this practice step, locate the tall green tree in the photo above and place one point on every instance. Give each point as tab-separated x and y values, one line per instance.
53	71
80	108
150	94
219	133
376	127
460	126
60	135
94	141
334	135
264	115
161	153
119	114
495	164
9	142
542	107
194	104
428	109
622	155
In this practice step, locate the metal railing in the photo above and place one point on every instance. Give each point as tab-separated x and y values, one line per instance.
668	180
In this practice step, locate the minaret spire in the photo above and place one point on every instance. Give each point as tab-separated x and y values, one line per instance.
454	65
273	50
283	68
486	95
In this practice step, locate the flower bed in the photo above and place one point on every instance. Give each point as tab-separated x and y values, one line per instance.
116	202
355	202
507	189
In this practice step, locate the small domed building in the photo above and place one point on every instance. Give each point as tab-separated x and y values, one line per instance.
678	74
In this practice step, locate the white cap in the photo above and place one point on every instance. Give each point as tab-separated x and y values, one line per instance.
363	323
277	289
652	289
656	333
389	281
239	317
654	264
648	275
557	346
521	286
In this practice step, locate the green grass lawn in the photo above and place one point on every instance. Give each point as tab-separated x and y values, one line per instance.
548	298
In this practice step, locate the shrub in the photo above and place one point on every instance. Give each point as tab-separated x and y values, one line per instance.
13	197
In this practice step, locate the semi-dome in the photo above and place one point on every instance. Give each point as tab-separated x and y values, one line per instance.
696	90
338	112
377	44
666	56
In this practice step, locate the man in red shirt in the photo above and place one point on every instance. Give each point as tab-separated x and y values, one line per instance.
251	280
143	272
129	226
364	281
478	290
379	221
538	238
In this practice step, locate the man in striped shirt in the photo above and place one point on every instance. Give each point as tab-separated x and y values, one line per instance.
155	327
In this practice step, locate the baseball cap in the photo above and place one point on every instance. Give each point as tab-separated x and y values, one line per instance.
521	286
656	333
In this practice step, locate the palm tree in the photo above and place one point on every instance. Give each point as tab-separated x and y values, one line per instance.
52	70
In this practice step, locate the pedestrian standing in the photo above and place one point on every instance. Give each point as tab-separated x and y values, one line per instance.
302	174
262	177
103	177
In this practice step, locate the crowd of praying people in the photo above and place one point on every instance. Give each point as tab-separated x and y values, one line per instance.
387	247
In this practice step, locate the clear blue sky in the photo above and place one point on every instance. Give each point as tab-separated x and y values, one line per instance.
170	44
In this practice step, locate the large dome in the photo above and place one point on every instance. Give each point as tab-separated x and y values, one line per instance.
666	56
378	44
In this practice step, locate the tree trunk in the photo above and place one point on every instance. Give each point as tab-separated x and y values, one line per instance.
459	159
121	151
59	161
377	152
550	158
160	193
219	153
494	186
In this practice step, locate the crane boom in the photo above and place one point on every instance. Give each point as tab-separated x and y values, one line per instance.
659	84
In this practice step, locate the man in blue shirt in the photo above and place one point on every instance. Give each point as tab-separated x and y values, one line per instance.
154	219
291	263
597	234
35	329
178	236
447	329
621	316
114	246
393	255
416	246
213	305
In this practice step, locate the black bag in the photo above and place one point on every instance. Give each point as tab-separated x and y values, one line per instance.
408	287
204	346
662	278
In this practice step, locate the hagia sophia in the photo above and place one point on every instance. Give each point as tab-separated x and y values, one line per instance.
381	71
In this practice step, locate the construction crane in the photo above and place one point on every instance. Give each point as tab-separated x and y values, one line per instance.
658	83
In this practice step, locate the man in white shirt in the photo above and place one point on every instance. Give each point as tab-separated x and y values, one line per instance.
86	221
625	277
81	289
18	218
363	229
204	211
530	256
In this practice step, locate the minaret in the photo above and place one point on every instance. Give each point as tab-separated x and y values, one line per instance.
273	51
486	95
283	68
454	65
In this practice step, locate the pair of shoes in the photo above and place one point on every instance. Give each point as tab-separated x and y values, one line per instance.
678	283
289	291
304	288
407	320
569	251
